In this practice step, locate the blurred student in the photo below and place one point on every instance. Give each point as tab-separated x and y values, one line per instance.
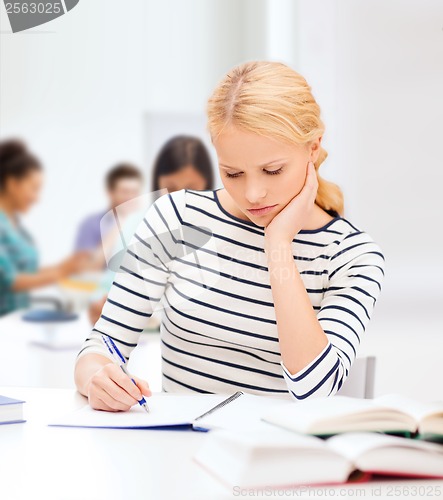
123	183
21	178
183	163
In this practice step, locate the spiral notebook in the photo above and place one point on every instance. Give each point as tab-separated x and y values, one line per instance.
200	412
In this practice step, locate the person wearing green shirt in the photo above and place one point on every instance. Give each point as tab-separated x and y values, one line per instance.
21	178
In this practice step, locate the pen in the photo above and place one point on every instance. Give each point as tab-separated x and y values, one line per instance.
118	356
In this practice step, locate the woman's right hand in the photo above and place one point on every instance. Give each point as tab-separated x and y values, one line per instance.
110	389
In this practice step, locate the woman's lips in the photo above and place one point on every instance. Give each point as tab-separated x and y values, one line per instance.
261	211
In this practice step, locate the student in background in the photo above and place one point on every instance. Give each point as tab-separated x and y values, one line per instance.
123	183
183	163
21	179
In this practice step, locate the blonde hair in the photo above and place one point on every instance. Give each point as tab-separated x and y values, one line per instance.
273	100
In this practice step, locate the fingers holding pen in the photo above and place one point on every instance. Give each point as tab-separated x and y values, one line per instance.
124	383
110	401
112	390
118	393
131	386
143	386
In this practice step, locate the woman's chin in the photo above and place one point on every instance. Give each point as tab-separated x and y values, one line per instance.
263	220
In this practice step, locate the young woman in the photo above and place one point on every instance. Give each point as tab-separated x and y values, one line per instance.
182	163
21	179
277	298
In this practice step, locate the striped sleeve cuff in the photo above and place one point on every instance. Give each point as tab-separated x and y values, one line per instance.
317	379
94	349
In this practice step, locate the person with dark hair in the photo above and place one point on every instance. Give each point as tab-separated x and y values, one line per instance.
123	183
21	179
183	163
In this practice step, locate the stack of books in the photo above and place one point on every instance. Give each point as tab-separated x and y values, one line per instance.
330	441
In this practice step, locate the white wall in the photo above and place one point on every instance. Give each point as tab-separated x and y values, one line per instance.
377	70
390	81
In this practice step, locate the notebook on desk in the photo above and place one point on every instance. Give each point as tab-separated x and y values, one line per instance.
11	410
200	412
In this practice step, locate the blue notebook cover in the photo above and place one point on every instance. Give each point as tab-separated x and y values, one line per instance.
5	401
48	316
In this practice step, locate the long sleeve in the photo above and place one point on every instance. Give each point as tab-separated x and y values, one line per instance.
17	255
7	269
140	282
355	277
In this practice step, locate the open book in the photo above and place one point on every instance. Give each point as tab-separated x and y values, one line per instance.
278	458
390	413
197	411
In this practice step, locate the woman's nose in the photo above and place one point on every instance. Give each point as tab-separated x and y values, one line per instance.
255	193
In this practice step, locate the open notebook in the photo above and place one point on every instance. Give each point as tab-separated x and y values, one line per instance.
198	411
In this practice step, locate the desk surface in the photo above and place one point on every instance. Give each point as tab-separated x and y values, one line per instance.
51	463
43	355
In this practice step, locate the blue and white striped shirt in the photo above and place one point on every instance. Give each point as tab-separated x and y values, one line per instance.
207	272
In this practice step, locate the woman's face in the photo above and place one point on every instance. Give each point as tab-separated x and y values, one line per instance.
259	172
188	177
25	191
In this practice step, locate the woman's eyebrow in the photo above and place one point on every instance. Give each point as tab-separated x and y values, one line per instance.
259	166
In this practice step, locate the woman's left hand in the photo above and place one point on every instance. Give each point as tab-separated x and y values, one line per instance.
285	225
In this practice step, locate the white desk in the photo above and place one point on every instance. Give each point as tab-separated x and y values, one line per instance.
37	355
51	463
